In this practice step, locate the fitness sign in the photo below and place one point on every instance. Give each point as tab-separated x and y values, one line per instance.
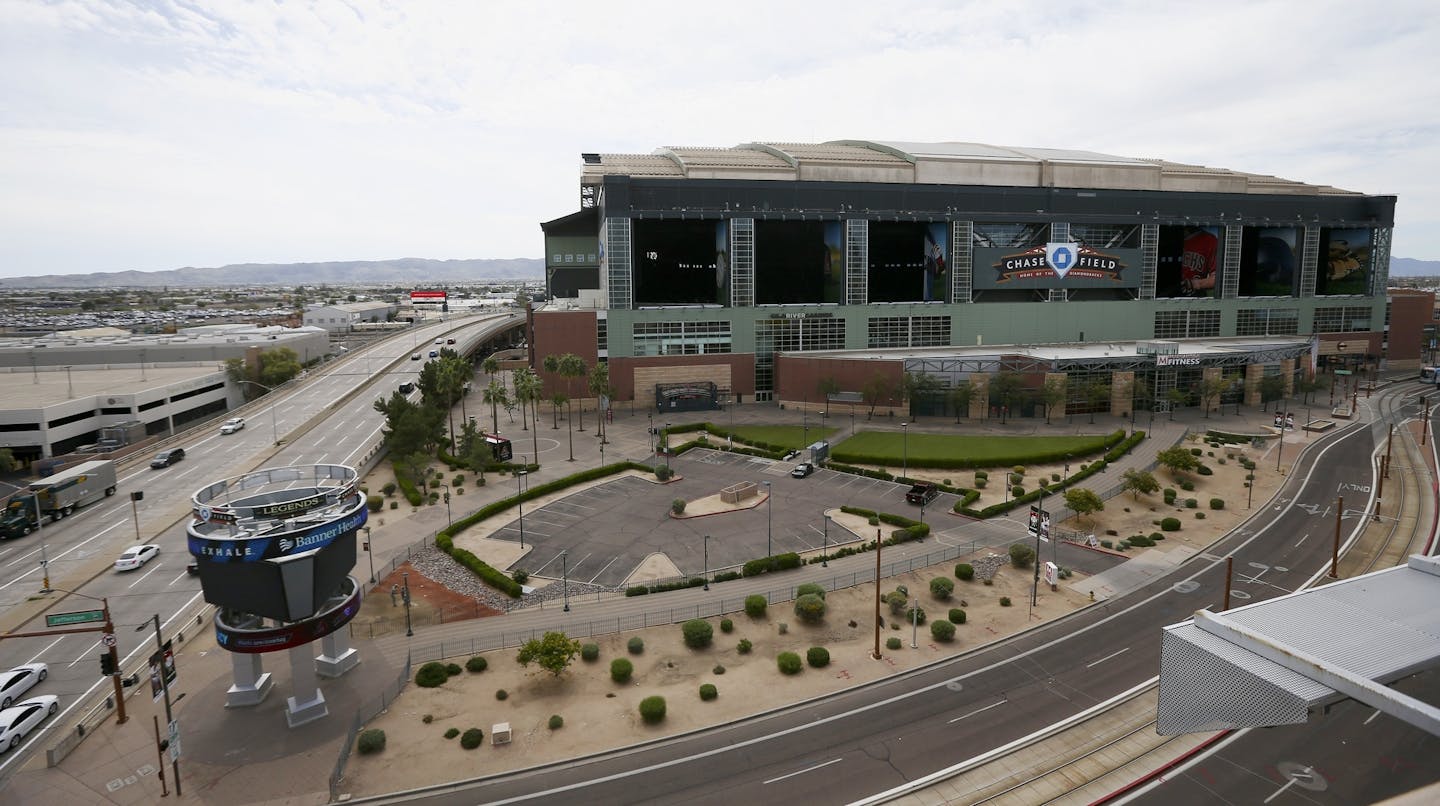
1076	265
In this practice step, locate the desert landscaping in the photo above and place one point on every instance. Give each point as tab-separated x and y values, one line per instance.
596	713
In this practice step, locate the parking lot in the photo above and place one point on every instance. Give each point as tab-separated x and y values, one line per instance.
610	529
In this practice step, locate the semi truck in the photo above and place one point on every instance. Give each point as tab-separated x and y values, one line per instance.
71	489
19	518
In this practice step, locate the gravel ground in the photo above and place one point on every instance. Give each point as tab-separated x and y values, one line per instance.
440	567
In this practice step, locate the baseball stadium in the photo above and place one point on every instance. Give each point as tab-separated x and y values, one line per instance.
913	277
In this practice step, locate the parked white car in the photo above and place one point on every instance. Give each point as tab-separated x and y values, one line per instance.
136	556
232	425
19	680
24	717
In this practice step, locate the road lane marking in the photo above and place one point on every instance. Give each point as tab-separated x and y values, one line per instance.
146	574
82	655
62	638
976	711
58	556
1302	540
182	575
1107	657
807	769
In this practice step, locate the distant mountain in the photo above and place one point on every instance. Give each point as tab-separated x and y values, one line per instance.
405	271
1410	267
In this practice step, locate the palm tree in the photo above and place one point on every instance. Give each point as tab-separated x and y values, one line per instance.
527	393
559	399
600	387
552	366
572	366
496	396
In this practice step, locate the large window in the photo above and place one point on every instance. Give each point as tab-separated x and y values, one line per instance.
791	334
1268	322
1342	320
908	331
681	338
1186	324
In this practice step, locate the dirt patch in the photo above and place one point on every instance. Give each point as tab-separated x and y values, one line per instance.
430	603
599	714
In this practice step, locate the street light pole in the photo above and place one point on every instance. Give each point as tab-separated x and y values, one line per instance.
165	687
914	621
405	595
769	521
905	450
825	544
44	557
448	520
370	551
565	578
667	446
519	498
706	567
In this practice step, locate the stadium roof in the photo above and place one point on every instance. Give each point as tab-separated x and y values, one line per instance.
951	163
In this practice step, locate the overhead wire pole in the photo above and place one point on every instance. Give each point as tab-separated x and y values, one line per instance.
165	687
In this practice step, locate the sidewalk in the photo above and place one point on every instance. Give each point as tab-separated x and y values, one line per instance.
249	756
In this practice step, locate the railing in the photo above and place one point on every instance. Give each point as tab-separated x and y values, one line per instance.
366	712
675	615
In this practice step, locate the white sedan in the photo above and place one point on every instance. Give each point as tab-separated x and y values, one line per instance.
232	425
17	721
19	680
136	556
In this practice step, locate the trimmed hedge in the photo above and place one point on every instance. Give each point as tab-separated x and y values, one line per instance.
965	572
941	588
708	692
818	657
652	709
765	565
942	630
621	669
590	652
957	615
1020	457
407	489
789	663
1170	524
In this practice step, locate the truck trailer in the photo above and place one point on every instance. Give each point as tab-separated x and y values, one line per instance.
71	489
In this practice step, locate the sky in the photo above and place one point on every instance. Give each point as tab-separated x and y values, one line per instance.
157	135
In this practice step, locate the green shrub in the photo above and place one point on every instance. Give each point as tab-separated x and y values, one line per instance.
1170	524
782	627
371	741
1187	485
635	645
917	614
394	504
1107	544
1170	495
431	674
965	572
472	738
1018	470
663	472
678	506
810	608
1156	536
1021	555
810	587
652	709
452	669
451	733
501	694
556	722
1191	503
1017	491
590	652
428	718
957	616
1217	503
765	565
1004	601
898	601
1205	470
942	588
388	489
1196	452
755	605
744	646
476	664
520	577
726	625
697	633
893	643
708	692
374	503
788	662
942	630
1199	516
621	669
818	657
719	669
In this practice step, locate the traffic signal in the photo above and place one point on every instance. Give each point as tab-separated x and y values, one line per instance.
107	664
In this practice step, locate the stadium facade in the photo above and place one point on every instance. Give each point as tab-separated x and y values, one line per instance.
815	272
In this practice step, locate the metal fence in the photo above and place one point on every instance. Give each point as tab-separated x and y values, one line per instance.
675	615
366	712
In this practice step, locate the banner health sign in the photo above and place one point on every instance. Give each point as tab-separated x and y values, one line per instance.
245	548
1056	265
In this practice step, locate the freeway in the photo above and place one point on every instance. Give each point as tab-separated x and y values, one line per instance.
867	740
332	420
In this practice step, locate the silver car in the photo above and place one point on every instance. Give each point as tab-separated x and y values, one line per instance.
19	680
24	717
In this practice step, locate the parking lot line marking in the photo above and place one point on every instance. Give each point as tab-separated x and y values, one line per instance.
602	568
575	565
568	504
516	530
182	575
551	560
549	523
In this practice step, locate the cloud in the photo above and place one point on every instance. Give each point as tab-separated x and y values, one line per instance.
150	136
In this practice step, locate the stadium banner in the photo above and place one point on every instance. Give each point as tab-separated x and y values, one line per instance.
1188	261
937	259
1056	265
1344	262
833	287
1268	260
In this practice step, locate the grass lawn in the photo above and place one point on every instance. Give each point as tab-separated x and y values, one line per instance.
986	451
789	436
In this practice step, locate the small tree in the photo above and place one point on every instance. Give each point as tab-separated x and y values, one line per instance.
1021	555
652	709
942	630
697	633
755	605
1139	482
810	608
1178	459
942	588
1210	391
1083	500
553	652
1052	395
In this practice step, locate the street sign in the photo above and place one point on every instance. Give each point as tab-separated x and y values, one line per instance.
108	639
78	617
1343	372
175	740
